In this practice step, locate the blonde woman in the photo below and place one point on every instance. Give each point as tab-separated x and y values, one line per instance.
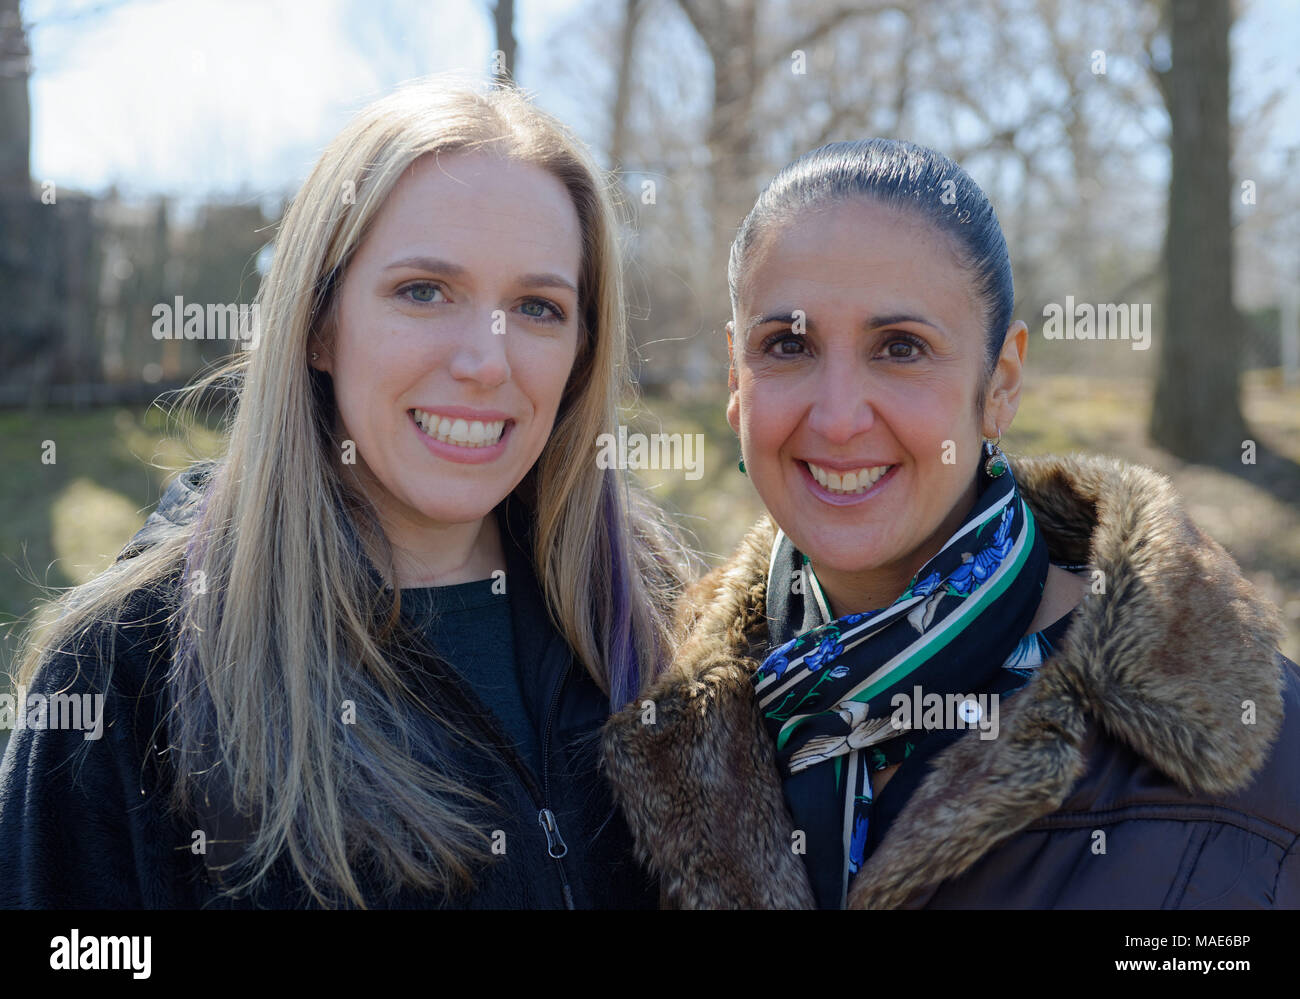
363	660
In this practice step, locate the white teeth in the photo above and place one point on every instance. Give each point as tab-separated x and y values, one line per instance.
857	481
465	433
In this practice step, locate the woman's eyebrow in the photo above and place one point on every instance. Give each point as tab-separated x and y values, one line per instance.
547	281
773	317
544	280
873	322
427	264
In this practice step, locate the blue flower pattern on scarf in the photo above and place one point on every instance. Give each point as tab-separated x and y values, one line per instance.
779	661
858	845
969	575
826	650
925	587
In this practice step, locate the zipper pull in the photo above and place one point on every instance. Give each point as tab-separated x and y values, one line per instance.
546	819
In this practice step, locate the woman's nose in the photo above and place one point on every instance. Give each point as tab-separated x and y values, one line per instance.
840	407
481	351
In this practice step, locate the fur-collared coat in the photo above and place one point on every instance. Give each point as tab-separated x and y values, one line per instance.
1167	721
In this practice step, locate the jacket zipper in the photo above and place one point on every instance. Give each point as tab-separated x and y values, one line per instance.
546	818
482	717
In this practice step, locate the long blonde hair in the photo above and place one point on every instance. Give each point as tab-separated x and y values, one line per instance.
289	623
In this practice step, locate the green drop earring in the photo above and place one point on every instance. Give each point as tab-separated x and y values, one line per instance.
741	466
996	465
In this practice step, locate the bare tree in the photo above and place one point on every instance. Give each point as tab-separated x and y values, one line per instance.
1197	408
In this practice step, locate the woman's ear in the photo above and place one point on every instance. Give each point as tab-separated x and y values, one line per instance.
320	341
318	357
320	336
1004	385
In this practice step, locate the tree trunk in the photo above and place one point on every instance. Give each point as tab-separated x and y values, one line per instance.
730	35
503	20
1197	408
623	90
15	107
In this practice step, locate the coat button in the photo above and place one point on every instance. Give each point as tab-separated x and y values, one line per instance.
969	711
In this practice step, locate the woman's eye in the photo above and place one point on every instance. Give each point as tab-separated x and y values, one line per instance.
905	348
786	343
423	292
539	308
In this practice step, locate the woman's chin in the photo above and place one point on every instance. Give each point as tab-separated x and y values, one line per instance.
846	552
451	506
447	515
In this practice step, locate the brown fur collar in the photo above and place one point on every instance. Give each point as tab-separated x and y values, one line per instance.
1161	661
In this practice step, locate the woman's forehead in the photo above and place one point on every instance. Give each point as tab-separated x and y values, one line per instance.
855	248
498	207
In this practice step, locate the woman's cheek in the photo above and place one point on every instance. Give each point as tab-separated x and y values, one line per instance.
541	369
770	409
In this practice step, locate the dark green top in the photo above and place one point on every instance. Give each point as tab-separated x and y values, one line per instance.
470	628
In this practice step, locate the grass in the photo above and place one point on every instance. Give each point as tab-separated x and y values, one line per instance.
65	519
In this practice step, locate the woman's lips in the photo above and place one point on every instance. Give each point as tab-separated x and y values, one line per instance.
848	478
459	453
455	428
844	499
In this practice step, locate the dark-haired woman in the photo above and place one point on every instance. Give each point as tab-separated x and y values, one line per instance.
931	676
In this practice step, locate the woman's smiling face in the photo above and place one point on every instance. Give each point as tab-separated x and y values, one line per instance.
456	328
860	433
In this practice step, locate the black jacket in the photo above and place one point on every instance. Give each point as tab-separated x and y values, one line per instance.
1152	762
84	823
